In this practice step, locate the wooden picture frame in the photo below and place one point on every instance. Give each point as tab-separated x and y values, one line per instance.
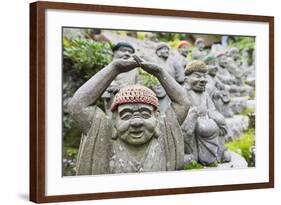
38	100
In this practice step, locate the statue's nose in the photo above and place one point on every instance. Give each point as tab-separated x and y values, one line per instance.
203	80
136	122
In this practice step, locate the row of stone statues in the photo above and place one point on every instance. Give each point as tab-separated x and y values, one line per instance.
159	129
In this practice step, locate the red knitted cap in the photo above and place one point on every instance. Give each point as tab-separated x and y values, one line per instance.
135	94
181	43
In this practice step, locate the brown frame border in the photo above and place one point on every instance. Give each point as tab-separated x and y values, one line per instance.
37	100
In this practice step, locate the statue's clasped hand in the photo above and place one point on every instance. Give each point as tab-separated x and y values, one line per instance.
147	66
125	65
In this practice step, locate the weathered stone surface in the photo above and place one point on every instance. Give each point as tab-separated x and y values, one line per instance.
204	127
238	104
237	162
236	126
134	137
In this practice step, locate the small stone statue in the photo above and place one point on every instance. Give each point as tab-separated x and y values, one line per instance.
216	89
135	137
230	81
180	61
233	54
245	60
198	52
121	50
163	51
204	127
234	67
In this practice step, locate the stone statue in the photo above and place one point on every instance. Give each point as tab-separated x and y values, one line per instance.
204	127
249	70
216	89
245	59
180	61
121	50
233	54
163	51
198	52
232	84
135	137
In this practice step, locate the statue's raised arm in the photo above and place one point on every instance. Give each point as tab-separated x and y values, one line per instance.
176	93
89	93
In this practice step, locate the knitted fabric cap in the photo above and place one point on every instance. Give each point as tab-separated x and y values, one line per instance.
162	45
196	66
198	40
182	43
209	58
122	44
135	94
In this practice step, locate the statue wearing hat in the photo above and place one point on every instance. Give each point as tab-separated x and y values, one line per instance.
135	137
121	50
180	60
198	52
162	52
204	127
216	89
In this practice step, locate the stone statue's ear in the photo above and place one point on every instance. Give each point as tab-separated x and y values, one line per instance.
114	134
114	130
157	129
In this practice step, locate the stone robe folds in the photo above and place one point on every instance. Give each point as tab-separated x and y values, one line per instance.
204	137
100	153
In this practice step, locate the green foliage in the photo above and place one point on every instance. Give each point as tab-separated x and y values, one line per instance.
86	54
82	58
248	111
242	42
193	165
166	37
141	35
244	146
69	161
147	79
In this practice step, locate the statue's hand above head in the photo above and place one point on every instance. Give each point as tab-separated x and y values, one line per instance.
124	65
149	67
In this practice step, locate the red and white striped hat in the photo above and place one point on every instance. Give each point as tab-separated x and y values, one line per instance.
135	94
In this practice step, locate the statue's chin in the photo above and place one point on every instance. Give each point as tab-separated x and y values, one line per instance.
199	89
136	139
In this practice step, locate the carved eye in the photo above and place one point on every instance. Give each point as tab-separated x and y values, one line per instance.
145	114
126	116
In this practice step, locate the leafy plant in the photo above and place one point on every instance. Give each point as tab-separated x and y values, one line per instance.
147	79
82	58
244	146
193	165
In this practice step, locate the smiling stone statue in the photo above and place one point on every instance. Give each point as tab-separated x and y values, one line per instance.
135	137
204	128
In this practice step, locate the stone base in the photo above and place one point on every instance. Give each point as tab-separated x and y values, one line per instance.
237	161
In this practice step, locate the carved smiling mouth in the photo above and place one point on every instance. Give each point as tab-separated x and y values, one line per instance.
136	134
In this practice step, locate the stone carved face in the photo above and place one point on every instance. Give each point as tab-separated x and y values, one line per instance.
163	52
123	52
136	123
212	70
201	45
197	81
183	50
222	60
